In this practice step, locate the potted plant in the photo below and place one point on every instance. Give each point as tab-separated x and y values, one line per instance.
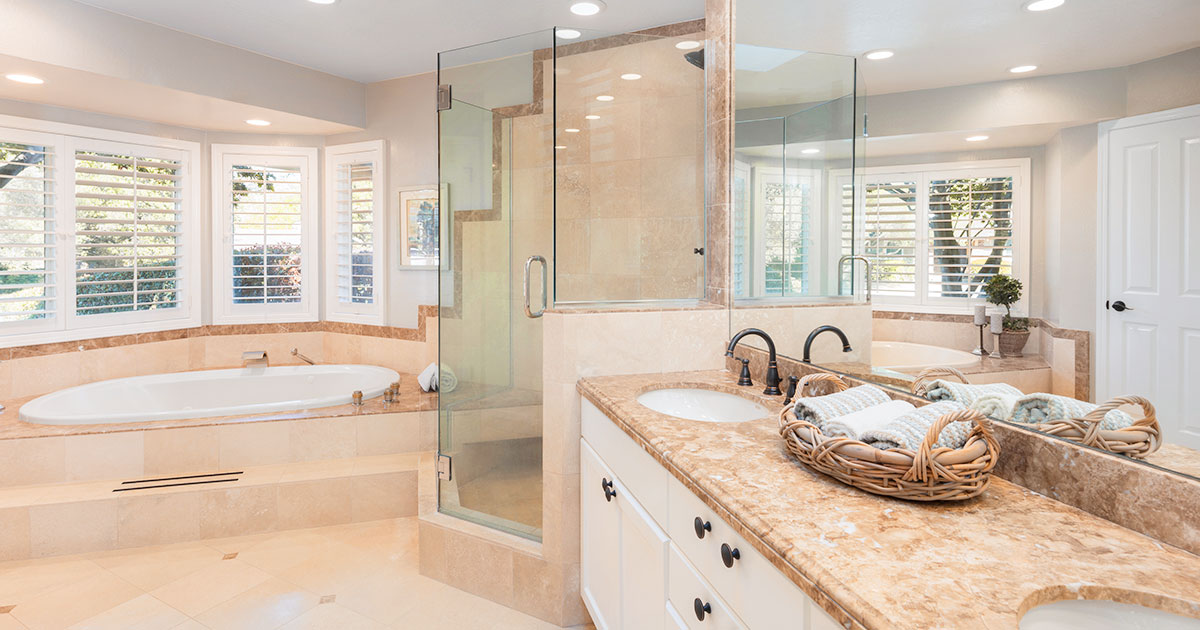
1005	291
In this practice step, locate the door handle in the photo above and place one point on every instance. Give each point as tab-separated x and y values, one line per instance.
529	312
1119	306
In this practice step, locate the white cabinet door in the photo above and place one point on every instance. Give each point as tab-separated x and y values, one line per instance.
643	566
600	529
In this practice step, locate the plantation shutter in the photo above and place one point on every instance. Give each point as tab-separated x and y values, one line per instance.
128	233
266	228
970	234
27	232
355	233
787	232
890	210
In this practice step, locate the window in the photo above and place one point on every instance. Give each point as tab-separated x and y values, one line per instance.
264	225
354	221
96	232
936	233
775	224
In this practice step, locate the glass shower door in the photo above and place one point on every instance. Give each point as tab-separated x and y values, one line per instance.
496	212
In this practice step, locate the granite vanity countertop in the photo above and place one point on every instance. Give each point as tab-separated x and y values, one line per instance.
976	564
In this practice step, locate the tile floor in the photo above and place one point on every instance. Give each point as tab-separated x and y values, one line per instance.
361	576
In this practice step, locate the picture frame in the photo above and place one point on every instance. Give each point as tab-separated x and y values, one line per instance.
420	235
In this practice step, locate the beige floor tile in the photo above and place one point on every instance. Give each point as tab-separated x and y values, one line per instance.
203	589
268	605
191	624
74	602
386	597
26	579
394	537
330	617
283	549
8	623
151	567
139	613
237	544
451	609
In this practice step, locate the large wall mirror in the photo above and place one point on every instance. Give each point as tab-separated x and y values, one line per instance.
1046	159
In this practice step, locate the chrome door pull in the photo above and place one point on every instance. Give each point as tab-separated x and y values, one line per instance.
866	261
525	287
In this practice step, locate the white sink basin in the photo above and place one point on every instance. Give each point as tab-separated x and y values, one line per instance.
702	404
1089	614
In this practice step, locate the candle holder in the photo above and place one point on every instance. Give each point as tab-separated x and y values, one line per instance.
980	351
996	354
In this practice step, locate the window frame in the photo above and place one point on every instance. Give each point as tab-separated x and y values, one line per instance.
224	311
923	173
374	151
65	324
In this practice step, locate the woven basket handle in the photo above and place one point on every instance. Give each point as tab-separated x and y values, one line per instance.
923	464
1147	423
820	379
931	374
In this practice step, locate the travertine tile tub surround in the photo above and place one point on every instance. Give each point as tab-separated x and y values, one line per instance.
1147	499
877	562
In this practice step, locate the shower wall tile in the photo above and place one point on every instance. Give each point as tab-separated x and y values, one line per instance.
480	568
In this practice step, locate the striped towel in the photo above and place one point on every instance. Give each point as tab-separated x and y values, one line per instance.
1043	408
998	406
968	393
909	430
818	409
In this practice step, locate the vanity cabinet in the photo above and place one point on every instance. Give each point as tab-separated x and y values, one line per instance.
655	556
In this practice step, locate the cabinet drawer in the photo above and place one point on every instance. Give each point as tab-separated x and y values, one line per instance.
685	586
762	596
644	476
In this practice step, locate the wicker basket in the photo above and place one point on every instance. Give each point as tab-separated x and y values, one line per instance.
1138	440
928	474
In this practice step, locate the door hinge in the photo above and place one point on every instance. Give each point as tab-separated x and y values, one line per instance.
443	467
443	97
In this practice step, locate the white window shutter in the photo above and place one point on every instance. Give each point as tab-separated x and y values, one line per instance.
355	203
28	226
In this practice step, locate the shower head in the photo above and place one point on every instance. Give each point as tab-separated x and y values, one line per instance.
696	58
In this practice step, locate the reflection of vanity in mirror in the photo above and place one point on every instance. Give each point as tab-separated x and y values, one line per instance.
896	187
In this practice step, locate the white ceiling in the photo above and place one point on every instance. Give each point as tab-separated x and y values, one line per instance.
373	40
940	43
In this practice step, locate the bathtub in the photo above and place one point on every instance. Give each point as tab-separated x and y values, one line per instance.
207	393
913	357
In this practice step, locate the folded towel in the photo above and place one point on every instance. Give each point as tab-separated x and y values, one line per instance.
819	409
1043	408
909	430
853	425
967	393
428	378
998	406
446	380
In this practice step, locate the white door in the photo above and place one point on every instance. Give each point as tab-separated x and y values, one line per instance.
600	529
1149	342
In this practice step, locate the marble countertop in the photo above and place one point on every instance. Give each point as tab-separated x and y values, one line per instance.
884	563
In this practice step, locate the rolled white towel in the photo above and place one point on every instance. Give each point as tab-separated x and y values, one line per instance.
853	425
447	381
428	378
998	406
909	430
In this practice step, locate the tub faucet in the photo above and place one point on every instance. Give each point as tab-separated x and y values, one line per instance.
255	358
772	377
296	353
813	335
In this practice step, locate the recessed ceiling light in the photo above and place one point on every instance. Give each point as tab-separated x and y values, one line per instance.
567	33
688	44
587	7
631	76
258	122
810	151
604	98
876	55
560	147
976	138
571	130
24	78
1022	69
592	117
1043	5
322	1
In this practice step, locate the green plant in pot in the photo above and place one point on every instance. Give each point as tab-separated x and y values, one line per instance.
1005	291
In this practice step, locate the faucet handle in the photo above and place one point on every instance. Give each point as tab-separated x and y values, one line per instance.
744	378
791	390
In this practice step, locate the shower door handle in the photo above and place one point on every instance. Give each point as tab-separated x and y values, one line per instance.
529	312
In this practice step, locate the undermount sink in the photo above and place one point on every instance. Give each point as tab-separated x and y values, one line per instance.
704	405
1090	614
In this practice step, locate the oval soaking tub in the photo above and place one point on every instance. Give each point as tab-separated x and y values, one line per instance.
207	394
902	356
